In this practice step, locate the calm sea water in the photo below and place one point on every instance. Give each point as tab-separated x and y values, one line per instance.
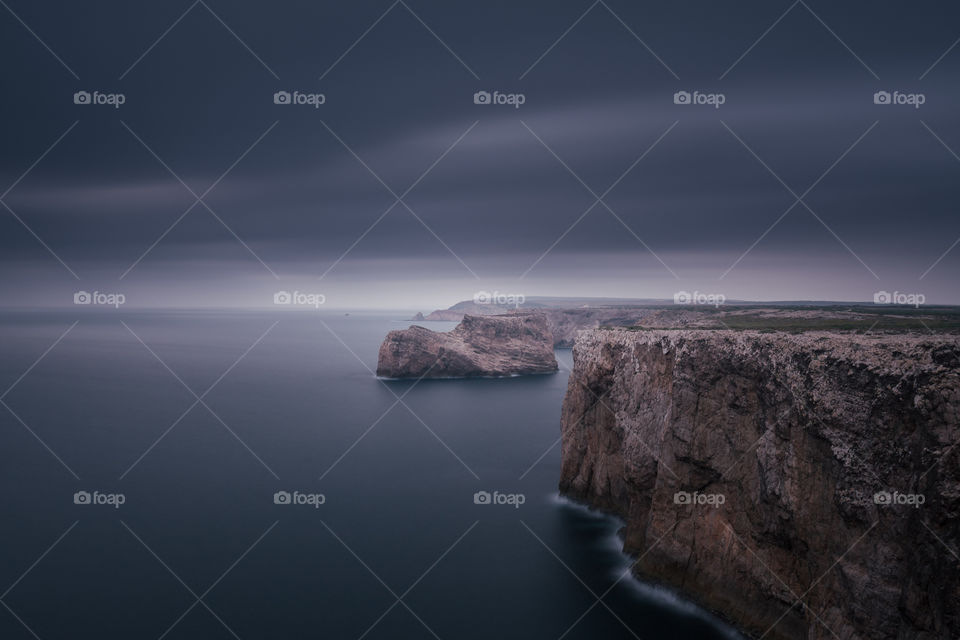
200	549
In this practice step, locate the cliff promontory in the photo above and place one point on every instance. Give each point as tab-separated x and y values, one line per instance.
478	346
805	486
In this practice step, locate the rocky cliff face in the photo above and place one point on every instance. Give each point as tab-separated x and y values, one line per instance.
803	486
478	346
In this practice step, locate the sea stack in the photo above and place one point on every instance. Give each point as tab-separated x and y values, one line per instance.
491	346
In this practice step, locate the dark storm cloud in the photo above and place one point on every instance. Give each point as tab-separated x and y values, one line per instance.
799	99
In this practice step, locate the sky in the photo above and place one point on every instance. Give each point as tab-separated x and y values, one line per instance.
788	174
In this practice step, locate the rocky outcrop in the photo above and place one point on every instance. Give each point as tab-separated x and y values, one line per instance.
478	346
805	486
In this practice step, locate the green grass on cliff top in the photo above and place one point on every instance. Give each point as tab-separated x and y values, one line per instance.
885	319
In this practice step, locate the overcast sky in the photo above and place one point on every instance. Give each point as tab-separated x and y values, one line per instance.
500	197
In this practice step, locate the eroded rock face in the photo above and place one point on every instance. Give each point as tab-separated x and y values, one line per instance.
478	346
797	433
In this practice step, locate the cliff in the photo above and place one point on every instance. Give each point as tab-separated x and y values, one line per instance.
802	485
478	346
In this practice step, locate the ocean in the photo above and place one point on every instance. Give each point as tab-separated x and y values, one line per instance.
245	475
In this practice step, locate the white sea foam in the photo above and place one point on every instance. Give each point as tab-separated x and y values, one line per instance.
659	595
